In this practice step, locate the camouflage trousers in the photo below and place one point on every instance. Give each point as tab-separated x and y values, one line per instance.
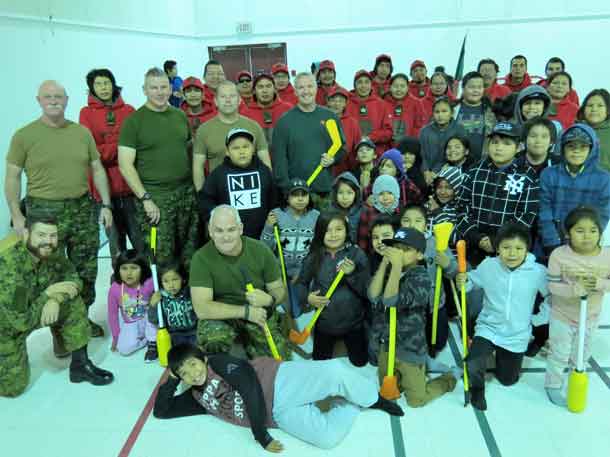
79	235
73	326
177	228
218	336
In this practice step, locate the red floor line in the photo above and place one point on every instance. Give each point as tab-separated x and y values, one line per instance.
137	428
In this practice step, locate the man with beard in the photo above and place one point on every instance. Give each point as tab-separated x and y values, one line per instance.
39	287
57	156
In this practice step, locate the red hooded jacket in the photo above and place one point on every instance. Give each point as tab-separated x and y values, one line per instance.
572	95
266	117
351	131
418	90
323	93
514	87
497	91
208	94
288	95
195	120
429	99
380	89
95	116
566	112
373	116
408	116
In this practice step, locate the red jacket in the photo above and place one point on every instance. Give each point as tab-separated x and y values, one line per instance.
572	95
381	89
373	116
195	120
288	95
208	94
408	116
514	87
351	131
95	116
266	117
497	91
418	90
323	93
428	101
566	113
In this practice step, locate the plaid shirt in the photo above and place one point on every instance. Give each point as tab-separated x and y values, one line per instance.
367	215
492	197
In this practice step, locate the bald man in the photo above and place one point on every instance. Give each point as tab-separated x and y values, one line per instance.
57	156
220	271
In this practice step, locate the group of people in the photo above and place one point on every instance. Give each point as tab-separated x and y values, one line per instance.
214	182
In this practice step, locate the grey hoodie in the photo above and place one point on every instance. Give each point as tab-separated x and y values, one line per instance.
353	215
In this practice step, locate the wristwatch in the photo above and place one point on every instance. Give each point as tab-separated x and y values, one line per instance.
145	196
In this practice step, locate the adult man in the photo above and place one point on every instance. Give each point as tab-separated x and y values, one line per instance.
209	145
337	102
57	156
518	78
220	271
327	81
555	65
419	84
300	139
284	89
213	75
488	68
244	86
171	70
196	107
267	107
157	135
381	75
39	287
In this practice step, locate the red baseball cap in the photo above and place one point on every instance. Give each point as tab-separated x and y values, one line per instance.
337	91
243	73
417	63
279	68
191	81
360	73
327	65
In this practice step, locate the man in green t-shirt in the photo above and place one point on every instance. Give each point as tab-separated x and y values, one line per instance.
220	271
154	161
209	144
57	156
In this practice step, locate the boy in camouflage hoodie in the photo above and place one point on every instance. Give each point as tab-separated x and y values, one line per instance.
407	286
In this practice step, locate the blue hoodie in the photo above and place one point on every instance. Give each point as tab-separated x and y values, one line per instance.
508	301
560	192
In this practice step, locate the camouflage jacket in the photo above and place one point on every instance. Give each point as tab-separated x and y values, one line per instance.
22	286
411	309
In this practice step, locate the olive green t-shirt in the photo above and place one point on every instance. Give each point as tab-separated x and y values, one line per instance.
211	136
160	139
212	270
56	160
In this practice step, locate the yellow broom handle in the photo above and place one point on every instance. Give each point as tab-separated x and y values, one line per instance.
437	299
328	294
280	253
392	345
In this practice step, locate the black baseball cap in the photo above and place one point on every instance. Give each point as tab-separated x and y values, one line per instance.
298	184
408	237
235	133
508	129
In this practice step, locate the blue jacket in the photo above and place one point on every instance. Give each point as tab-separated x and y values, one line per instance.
560	192
508	300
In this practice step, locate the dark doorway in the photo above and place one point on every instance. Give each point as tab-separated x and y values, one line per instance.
256	58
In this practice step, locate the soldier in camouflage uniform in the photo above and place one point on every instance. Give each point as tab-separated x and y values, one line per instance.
154	161
39	287
220	271
57	156
412	288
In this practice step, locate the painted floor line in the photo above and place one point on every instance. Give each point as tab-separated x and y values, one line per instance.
600	371
399	442
137	428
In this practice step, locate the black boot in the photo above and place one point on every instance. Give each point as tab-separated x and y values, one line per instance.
388	406
59	348
477	398
82	369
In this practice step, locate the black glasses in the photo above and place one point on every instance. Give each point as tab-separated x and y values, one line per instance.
241	81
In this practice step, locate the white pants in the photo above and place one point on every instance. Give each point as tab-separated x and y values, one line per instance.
135	335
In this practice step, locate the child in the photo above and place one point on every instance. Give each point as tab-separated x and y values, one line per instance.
385	200
410	148
457	153
510	283
128	299
434	136
243	182
264	393
495	191
347	197
382	228
343	315
415	217
577	180
595	111
442	204
408	289
391	163
296	221
539	138
176	306
580	268
365	155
